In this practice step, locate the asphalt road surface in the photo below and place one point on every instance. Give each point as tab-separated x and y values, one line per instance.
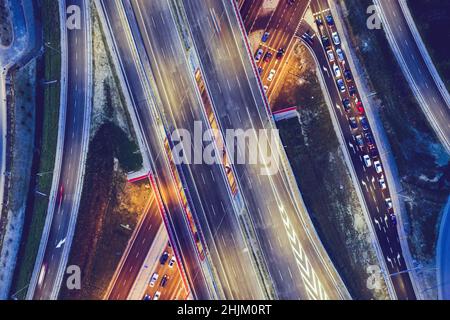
71	169
374	195
438	109
297	262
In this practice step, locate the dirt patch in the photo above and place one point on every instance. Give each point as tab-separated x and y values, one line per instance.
324	179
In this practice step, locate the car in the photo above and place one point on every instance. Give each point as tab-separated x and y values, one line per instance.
157	295
271	75
337	71
330	55
260	69
393	219
352	90
164	258
348	75
369	139
388	202
341	85
378	167
265	36
373	152
329	20
326	42
307	38
153	279
172	261
259	54
147	297
347	105
291	2
360	140
367	161
336	39
280	53
364	123
319	21
340	54
164	280
265	88
353	123
382	183
268	56
360	107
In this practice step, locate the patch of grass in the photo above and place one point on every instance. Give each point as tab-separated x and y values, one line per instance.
51	63
432	18
415	147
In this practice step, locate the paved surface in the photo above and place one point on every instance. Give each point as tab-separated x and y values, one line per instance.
71	170
443	255
437	109
213	210
374	196
137	253
299	267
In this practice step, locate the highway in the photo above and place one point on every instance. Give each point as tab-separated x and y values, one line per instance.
298	265
137	88
137	252
49	272
214	210
437	109
374	195
281	27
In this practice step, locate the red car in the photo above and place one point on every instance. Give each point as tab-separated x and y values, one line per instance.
360	107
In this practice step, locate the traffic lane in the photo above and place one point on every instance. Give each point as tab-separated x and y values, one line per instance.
387	236
217	205
416	64
138	252
181	237
250	10
227	99
71	154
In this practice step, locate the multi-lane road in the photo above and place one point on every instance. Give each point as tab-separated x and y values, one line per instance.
436	107
182	107
49	270
139	248
298	265
374	195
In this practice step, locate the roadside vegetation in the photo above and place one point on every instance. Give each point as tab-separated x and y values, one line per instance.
432	20
324	180
47	116
423	165
109	210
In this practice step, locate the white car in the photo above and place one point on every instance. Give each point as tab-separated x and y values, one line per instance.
155	277
378	167
172	261
157	295
340	54
382	183
330	55
337	71
271	75
388	203
367	161
265	88
259	54
336	39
